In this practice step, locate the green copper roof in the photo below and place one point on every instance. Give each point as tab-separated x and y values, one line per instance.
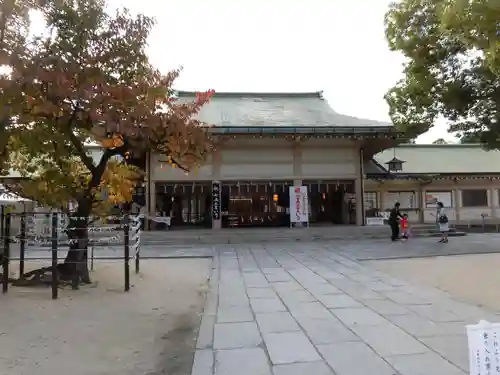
443	159
286	112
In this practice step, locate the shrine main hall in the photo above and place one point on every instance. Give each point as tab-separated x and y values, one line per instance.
265	143
354	169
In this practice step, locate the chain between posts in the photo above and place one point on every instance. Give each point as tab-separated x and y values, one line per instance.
131	242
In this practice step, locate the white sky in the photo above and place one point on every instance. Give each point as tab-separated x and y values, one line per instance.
275	45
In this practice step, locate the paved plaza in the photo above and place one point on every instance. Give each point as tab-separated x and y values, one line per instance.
313	308
364	249
325	308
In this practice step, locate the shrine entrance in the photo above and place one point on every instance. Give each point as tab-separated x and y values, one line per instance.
331	202
187	204
255	203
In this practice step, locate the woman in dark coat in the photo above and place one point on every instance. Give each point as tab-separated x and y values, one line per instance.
394	217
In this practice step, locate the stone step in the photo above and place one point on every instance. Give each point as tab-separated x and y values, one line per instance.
294	235
433	230
450	234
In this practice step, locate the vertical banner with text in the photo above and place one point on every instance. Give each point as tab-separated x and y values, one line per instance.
216	200
299	205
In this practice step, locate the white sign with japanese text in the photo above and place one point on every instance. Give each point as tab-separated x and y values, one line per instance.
484	348
375	221
299	204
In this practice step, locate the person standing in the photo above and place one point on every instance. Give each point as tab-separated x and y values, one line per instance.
394	216
405	227
442	219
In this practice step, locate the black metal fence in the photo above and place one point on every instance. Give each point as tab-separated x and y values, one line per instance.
39	233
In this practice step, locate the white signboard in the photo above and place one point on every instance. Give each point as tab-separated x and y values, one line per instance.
160	219
432	198
484	348
407	199
374	221
299	204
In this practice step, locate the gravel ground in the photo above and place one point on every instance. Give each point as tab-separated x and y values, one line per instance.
469	278
101	330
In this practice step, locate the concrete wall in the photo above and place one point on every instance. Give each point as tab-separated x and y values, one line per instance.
269	159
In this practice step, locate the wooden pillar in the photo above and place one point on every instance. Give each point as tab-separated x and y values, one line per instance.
297	161
493	200
381	202
150	190
359	190
421	203
457	202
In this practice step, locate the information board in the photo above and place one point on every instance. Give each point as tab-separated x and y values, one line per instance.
484	348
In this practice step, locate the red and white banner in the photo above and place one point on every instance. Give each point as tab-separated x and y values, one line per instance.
299	204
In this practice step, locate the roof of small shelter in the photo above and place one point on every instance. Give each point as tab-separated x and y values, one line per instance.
298	112
8	197
439	159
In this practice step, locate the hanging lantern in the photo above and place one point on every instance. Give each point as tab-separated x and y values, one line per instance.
395	165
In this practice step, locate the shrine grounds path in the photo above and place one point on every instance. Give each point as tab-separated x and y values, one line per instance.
101	330
333	308
320	308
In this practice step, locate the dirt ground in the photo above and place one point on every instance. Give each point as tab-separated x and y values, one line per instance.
102	330
469	278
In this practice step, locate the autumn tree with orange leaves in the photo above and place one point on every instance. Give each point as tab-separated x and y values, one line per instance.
14	29
89	80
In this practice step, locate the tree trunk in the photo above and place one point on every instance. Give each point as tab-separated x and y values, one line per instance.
75	266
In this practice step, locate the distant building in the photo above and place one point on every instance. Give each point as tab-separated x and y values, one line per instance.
269	142
465	177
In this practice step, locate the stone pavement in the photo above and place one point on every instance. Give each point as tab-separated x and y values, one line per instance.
357	249
117	252
297	308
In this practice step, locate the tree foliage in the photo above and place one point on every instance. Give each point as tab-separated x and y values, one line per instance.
452	66
90	80
472	138
14	27
440	141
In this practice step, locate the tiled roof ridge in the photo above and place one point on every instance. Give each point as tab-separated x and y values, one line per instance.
447	145
267	95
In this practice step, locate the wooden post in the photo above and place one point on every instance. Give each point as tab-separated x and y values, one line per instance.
22	250
54	280
126	258
137	259
6	253
92	258
2	222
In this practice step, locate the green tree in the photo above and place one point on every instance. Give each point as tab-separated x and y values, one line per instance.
14	27
90	81
439	141
472	138
452	66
